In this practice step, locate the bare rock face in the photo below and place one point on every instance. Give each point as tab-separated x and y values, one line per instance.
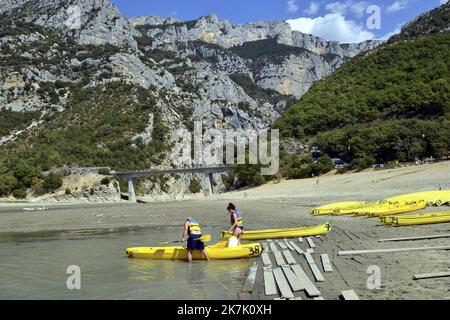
87	21
302	59
234	77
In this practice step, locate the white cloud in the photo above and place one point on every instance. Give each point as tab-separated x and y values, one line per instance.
292	6
338	7
397	6
357	8
332	27
443	1
312	9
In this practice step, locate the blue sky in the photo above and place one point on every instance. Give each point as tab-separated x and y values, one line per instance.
340	20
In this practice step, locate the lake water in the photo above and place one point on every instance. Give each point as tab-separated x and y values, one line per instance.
35	268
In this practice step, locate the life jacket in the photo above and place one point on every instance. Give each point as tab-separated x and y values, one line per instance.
240	222
194	227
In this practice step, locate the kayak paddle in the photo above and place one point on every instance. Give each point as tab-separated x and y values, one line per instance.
205	238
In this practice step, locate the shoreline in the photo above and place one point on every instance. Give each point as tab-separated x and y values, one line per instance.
284	204
280	205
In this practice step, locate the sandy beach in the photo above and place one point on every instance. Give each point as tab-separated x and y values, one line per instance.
287	204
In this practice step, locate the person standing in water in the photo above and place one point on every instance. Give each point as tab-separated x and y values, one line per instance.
237	224
192	232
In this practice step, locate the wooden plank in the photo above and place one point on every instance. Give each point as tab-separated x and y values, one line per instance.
282	284
314	269
326	263
309	250
292	278
447	235
348	253
266	259
249	283
319	298
349	295
299	251
279	298
431	275
279	258
282	245
269	282
273	247
310	242
265	246
289	245
309	258
300	239
309	286
289	258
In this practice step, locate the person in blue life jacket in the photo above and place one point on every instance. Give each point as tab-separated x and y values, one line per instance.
192	233
237	224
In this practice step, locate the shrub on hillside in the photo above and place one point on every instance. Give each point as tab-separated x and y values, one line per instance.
52	182
195	186
20	194
363	163
25	173
7	183
37	185
104	171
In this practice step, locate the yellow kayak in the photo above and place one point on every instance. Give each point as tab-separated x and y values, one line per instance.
330	208
439	201
366	210
397	209
389	219
427	196
281	233
400	221
218	251
356	210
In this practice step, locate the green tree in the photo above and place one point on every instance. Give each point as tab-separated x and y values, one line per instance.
52	182
7	183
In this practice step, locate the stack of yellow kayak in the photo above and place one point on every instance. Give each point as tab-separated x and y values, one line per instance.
395	209
430	197
337	207
360	210
217	251
394	205
417	219
281	233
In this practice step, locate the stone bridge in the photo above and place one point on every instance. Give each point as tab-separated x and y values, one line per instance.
132	175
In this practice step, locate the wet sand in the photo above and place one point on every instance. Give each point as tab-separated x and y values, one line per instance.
287	204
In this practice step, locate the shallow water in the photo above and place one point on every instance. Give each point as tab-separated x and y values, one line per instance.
35	268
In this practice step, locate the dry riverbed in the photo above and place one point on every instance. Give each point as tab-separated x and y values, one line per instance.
287	204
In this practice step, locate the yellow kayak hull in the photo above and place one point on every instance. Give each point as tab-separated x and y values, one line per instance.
332	207
397	209
281	233
398	222
389	220
356	210
389	209
427	196
218	251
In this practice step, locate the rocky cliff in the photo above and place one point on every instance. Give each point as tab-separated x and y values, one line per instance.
82	85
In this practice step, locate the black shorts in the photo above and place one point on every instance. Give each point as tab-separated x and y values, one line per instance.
194	244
